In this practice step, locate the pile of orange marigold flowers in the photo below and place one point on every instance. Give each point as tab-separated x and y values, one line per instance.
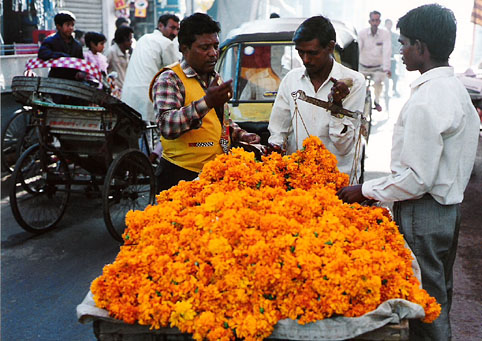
251	243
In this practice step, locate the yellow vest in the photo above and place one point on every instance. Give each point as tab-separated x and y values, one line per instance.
194	148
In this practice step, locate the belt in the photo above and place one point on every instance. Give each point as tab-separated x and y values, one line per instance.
370	67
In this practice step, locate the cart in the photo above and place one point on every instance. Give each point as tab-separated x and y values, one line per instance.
90	148
388	322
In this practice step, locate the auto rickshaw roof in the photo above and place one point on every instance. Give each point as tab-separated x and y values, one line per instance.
282	29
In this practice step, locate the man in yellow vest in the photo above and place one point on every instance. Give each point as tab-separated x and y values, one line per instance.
190	102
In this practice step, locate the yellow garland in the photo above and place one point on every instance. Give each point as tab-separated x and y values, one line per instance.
251	243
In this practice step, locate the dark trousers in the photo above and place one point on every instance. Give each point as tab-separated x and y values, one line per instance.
431	230
170	174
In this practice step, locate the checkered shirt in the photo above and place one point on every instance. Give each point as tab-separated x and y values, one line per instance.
173	118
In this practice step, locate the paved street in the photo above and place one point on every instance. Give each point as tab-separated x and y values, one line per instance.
44	277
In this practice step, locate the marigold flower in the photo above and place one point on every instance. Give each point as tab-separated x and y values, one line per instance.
251	243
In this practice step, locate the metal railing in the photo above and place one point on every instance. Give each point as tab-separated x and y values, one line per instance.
17	49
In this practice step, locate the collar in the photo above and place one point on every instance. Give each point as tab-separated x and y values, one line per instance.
119	52
438	72
59	37
190	72
376	33
335	73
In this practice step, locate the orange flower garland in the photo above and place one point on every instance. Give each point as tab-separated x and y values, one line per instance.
251	243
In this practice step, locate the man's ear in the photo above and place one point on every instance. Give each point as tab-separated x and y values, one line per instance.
420	46
183	48
331	45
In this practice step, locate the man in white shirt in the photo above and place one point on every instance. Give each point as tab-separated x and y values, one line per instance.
375	45
433	152
315	42
153	52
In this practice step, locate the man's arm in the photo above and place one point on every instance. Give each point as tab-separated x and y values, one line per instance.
173	117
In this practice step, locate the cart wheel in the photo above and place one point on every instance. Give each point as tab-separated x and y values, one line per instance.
128	185
40	190
17	136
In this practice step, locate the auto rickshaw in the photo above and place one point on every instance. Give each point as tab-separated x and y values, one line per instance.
258	54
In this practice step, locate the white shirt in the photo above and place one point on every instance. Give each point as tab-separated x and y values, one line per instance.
153	51
319	122
375	50
434	143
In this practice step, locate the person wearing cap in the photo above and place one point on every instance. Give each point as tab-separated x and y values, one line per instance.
62	44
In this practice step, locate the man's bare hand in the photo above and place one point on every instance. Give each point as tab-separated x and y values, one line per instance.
217	95
339	91
273	148
250	138
351	194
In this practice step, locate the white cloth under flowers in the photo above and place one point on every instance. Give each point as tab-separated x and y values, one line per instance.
334	328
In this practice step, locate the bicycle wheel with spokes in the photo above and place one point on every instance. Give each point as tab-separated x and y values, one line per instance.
17	135
129	185
40	190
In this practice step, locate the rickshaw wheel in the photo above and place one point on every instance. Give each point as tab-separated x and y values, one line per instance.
129	185
40	190
17	136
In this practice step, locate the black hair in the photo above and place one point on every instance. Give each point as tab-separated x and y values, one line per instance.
373	13
433	25
121	20
196	24
63	17
165	18
274	15
78	34
94	37
317	27
122	34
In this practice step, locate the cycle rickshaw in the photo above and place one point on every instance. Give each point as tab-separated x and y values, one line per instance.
92	146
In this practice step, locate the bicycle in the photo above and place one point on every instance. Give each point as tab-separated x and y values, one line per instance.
17	136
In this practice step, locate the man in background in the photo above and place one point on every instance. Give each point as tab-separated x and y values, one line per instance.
153	51
375	50
118	55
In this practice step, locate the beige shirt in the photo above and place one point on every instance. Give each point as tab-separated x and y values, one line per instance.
118	62
375	50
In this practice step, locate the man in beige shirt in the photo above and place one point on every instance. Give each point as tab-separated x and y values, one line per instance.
375	50
118	54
